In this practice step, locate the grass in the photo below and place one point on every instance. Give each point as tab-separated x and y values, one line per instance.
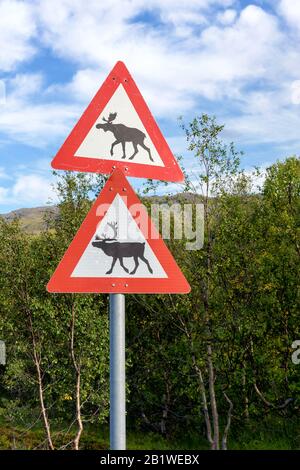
268	434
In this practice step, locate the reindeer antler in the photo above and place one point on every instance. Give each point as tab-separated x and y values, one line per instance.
114	227
102	238
111	117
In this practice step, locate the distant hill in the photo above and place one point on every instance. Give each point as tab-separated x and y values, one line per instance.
31	220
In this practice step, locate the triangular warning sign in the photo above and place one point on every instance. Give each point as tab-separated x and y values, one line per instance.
118	249
117	130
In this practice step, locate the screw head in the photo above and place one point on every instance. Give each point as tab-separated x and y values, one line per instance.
114	167
113	285
126	285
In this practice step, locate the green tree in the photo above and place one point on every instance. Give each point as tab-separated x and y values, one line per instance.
65	337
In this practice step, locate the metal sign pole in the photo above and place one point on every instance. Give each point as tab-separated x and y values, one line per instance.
117	372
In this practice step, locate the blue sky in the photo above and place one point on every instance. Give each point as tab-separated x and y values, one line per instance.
237	59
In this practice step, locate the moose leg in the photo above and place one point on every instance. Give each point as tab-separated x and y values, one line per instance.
124	267
123	147
112	266
147	263
148	150
112	146
135	151
136	265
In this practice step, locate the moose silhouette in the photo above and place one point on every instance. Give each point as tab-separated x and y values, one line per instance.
119	250
124	134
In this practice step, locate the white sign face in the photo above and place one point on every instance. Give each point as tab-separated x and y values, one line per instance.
118	134
126	255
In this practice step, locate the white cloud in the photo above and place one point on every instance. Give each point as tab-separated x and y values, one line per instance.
213	62
28	189
2	92
81	88
104	27
195	52
34	121
32	188
3	194
3	174
37	125
267	117
265	128
227	17
295	92
290	9
25	85
244	51
17	28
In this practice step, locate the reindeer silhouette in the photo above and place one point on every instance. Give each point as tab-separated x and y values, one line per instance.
124	134
120	250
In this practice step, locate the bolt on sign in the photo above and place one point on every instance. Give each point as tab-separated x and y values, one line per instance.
117	130
118	249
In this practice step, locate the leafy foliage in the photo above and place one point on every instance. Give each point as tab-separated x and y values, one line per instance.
236	326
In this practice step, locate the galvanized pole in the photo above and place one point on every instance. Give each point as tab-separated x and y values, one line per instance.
117	372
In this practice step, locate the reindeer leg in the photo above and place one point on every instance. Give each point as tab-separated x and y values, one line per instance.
147	263
112	146
112	266
148	150
124	267
136	265
135	151
123	147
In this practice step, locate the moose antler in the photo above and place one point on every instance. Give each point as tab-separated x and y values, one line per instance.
111	117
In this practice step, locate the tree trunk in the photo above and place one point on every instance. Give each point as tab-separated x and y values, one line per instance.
206	302
78	383
202	390
204	399
78	411
213	401
227	427
37	362
246	399
166	404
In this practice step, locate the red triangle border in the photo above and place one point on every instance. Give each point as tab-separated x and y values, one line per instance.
61	281
65	159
